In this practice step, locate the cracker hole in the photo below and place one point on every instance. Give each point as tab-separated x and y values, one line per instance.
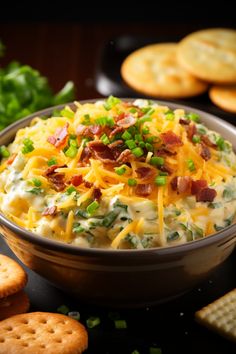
17	336
31	331
51	330
25	344
8	328
43	346
69	331
24	321
44	321
58	340
2	340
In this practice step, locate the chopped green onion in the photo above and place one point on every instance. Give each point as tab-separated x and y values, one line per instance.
63	309
126	135
74	314
145	130
149	147
144	119
135	352
138	151
52	161
157	161
28	146
86	120
35	191
160	180
220	142
93	322
132	130
4	152
36	182
77	228
150	139
109	219
191	165
105	139
193	116
154	350
120	170
120	324
162	173
173	236
138	137
169	115
131	144
133	110
71	151
111	102
196	139
70	190
142	144
132	182
85	141
67	112
105	121
91	208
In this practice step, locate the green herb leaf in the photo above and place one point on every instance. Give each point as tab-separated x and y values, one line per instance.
4	152
52	161
111	102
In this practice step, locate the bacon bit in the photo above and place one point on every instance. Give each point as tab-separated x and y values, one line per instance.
125	156
146	173
166	168
198	185
51	170
205	152
50	211
86	154
127	122
181	184
97	193
206	195
184	121
101	152
191	131
170	139
144	189
207	141
115	131
115	144
96	129
184	184
11	159
76	180
165	152
56	179
59	138
120	116
173	183
80	129
88	184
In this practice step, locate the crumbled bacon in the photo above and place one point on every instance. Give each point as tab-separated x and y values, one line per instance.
11	159
205	152
50	211
166	168
115	131
96	129
60	136
184	121
101	151
181	184
51	170
191	130
173	183
55	178
165	152
97	193
207	141
198	185
86	154
115	144
120	116
143	189
170	139
146	173
206	195
127	122
88	184
80	129
125	156
76	180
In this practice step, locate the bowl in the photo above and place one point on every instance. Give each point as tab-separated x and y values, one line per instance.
123	278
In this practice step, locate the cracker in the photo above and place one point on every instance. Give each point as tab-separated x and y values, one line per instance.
42	332
210	54
13	278
153	70
224	97
14	305
220	315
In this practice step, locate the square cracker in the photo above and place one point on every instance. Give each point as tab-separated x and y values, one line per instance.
220	315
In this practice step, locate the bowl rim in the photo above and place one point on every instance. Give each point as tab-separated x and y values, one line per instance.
58	245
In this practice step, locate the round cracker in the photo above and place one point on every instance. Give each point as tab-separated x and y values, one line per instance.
153	70
224	97
14	305
13	278
210	54
42	332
